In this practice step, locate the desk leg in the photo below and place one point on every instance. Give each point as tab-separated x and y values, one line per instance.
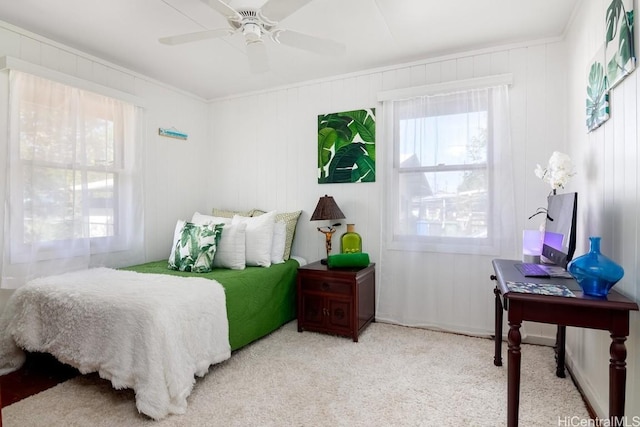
617	379
513	386
497	358
561	337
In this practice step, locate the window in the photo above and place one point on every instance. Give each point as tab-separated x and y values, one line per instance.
442	189
71	152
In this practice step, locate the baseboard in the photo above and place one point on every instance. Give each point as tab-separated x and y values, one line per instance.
538	340
440	327
474	332
585	388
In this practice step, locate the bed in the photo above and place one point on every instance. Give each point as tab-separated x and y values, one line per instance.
164	334
259	300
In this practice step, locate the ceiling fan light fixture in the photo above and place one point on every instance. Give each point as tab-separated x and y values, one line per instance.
257	22
251	32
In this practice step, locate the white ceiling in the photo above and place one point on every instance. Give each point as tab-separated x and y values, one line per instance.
376	33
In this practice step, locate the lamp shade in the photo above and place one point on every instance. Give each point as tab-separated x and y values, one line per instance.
327	209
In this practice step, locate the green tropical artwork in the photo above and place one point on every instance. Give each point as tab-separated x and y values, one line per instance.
347	147
619	46
597	94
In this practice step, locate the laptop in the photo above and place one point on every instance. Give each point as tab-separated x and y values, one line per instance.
542	270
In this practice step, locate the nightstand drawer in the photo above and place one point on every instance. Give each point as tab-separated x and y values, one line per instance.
314	284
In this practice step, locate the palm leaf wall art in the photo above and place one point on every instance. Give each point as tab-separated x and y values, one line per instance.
346	147
619	45
614	61
597	107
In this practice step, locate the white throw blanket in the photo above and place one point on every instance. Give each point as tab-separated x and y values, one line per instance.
148	332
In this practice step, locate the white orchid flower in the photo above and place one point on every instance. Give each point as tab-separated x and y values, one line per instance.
558	171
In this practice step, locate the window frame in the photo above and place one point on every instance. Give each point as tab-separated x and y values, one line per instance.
461	245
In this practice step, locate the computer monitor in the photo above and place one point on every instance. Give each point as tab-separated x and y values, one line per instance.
559	242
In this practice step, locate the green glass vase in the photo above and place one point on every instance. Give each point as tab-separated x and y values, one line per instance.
350	242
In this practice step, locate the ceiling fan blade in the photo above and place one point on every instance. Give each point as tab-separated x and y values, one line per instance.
277	10
199	35
223	9
258	61
310	43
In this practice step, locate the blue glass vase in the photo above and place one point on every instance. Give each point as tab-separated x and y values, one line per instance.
596	274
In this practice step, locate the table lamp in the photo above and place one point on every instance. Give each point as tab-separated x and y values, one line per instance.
327	209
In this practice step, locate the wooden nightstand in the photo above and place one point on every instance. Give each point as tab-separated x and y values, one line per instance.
339	301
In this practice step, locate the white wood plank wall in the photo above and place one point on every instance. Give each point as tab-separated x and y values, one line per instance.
272	137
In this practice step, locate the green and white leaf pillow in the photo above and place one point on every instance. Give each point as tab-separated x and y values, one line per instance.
194	247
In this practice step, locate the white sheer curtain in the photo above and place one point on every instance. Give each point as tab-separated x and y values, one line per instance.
449	205
74	194
450	187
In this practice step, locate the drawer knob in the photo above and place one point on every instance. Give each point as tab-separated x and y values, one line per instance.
325	286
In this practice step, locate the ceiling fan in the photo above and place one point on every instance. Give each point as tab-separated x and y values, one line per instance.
257	24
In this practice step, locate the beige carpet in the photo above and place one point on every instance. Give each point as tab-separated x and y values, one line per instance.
395	376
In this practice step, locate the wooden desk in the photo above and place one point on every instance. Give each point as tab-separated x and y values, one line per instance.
609	314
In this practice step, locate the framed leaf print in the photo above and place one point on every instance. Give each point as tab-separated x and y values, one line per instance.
619	47
597	107
347	147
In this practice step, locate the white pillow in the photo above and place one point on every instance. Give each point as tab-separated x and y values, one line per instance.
231	249
279	242
290	219
201	219
259	237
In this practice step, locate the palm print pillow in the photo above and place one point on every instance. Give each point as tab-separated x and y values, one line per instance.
195	247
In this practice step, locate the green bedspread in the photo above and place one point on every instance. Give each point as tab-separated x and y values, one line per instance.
259	300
